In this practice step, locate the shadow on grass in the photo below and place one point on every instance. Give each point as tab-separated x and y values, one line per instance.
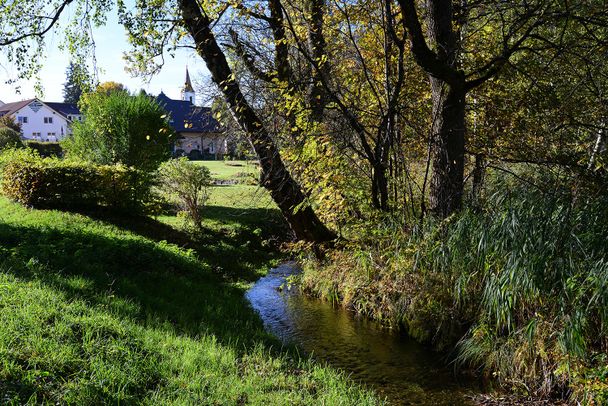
153	283
239	244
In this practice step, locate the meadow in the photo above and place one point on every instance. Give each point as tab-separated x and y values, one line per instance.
101	308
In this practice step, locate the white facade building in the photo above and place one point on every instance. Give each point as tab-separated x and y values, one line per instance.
42	121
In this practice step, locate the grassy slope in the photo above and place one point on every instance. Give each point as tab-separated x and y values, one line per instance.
105	311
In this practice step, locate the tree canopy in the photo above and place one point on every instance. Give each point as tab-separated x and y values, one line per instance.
381	105
76	83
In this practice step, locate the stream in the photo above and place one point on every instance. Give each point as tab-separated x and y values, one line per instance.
393	365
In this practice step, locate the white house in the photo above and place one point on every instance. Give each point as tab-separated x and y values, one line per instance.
42	121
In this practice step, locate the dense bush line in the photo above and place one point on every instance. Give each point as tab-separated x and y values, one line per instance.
46	149
520	289
41	182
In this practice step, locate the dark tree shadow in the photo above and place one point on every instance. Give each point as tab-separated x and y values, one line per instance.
248	240
168	289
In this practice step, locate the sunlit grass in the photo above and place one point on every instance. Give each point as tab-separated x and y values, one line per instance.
106	311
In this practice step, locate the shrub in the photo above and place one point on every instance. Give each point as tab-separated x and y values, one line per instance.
46	149
120	129
186	184
40	182
9	121
9	138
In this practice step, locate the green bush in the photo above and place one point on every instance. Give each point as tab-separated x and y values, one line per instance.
9	138
46	149
40	182
187	185
120	128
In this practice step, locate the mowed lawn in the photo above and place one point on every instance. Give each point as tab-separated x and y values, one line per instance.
230	169
108	309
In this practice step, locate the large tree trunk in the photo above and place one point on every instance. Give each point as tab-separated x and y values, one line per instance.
448	89
448	131
284	190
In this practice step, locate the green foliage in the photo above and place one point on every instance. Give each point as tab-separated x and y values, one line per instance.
9	138
46	149
120	129
53	183
9	121
77	81
187	184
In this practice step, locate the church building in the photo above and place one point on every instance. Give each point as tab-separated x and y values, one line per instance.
199	134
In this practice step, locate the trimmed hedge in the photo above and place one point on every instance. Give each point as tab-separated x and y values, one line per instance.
53	183
46	149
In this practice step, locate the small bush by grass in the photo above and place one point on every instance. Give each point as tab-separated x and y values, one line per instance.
187	185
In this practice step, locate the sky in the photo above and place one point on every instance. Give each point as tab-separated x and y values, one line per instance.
111	43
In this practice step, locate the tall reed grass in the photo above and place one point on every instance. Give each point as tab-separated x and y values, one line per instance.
518	289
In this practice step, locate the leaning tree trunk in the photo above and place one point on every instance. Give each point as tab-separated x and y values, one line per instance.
448	131
284	190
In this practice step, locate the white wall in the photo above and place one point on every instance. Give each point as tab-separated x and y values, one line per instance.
35	124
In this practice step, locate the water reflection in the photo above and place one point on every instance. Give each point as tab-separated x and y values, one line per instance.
395	366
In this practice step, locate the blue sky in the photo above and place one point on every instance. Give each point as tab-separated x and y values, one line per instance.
110	44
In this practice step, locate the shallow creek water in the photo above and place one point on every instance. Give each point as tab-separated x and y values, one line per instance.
396	367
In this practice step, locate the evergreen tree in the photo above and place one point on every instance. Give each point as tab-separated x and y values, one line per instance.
75	84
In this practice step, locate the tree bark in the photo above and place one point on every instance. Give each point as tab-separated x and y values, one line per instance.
316	41
379	187
275	177
448	90
447	131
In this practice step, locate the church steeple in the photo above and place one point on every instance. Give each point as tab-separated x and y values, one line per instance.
188	93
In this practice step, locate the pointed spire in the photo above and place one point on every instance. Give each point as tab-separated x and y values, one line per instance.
188	84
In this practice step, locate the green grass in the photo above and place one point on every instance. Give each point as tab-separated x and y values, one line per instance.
106	309
227	170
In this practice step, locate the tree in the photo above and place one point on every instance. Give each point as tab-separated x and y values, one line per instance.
9	121
188	184
506	29
109	87
76	82
120	128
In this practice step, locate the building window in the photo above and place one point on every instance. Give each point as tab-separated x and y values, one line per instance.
22	119
36	134
48	120
211	147
51	134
